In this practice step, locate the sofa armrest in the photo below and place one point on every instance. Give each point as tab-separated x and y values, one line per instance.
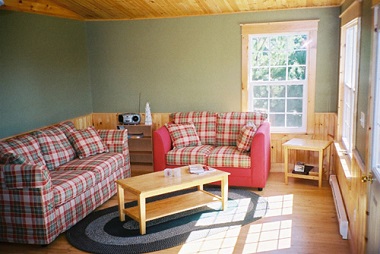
261	153
116	141
162	144
19	176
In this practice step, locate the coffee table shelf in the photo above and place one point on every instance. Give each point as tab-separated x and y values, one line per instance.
173	205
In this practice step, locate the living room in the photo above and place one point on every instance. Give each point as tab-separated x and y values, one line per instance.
55	69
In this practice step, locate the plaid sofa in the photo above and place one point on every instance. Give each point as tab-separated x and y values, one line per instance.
236	142
52	178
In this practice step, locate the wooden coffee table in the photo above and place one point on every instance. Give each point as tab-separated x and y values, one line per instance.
154	184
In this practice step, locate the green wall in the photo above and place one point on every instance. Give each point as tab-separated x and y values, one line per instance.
44	75
192	63
54	69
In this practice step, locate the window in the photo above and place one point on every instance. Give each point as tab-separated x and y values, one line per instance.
349	81
376	108
278	65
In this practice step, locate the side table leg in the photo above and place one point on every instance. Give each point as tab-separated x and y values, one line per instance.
142	208
224	192
120	197
286	156
320	170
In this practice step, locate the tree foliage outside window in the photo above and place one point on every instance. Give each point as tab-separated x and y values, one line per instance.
278	78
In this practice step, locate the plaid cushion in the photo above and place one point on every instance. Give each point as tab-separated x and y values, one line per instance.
204	122
245	137
87	142
10	158
116	141
229	125
103	165
26	145
189	155
67	127
55	147
183	135
228	156
69	184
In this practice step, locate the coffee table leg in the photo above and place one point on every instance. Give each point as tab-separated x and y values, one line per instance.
120	195
142	207
224	192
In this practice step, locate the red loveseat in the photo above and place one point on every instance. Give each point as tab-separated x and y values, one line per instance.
218	147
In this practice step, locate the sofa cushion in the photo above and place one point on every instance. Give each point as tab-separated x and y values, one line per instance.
26	145
103	165
87	142
183	135
70	184
229	125
204	122
189	155
245	137
228	156
55	147
67	127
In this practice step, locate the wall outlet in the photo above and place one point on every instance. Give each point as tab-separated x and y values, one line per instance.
362	119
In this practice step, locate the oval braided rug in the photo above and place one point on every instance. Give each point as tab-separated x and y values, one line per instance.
103	232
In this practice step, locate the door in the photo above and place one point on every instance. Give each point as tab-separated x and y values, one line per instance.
373	222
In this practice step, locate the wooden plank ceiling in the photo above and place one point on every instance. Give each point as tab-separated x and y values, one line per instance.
150	9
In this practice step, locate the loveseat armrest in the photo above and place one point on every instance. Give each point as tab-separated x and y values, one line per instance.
19	176
261	154
162	144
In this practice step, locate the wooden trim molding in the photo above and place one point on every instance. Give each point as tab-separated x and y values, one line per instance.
352	12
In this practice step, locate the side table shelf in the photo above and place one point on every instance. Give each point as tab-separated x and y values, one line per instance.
140	143
320	146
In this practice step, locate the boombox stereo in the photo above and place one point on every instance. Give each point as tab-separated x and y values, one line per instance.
129	118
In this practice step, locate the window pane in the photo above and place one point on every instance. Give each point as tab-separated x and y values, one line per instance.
297	58
260	43
278	73
277	105
278	43
277	91
294	105
277	120
295	91
297	72
294	120
260	92
260	104
297	42
260	58
278	58
260	74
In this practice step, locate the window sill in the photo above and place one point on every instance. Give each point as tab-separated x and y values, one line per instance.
344	159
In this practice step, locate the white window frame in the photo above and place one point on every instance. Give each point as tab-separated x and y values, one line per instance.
376	92
273	83
309	27
350	51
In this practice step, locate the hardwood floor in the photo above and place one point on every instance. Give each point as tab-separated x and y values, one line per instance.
301	219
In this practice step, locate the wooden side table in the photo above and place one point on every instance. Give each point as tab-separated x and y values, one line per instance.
320	146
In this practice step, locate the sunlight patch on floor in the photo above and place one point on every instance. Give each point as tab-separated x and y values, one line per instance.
279	205
213	243
268	236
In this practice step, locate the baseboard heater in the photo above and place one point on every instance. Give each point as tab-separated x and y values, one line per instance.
339	206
